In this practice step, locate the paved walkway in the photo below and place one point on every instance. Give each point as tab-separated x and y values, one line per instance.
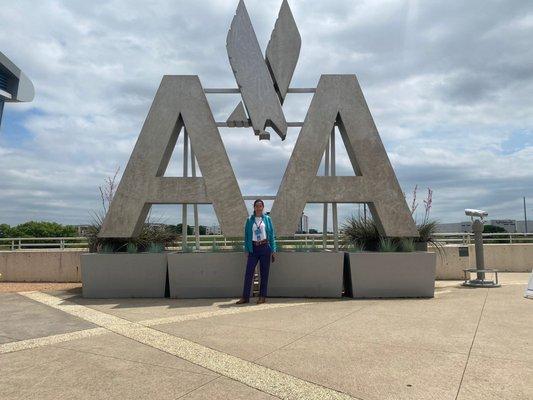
463	344
7	287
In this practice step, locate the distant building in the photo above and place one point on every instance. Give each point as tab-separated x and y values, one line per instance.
521	226
157	225
213	230
82	230
303	226
455	227
510	225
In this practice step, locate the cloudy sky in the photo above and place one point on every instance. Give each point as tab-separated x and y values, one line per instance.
449	83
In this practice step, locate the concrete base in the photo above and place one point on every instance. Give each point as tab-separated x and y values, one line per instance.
206	275
313	274
377	275
452	260
123	275
64	265
40	265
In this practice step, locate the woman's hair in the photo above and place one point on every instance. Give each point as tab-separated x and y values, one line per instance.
259	201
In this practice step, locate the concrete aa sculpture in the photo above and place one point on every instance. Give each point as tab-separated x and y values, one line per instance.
181	103
181	107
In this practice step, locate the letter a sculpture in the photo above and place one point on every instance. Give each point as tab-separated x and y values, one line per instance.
263	82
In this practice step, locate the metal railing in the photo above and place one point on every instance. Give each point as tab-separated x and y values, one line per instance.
221	242
43	243
466	238
206	242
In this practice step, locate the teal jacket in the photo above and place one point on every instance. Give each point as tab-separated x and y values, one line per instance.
269	228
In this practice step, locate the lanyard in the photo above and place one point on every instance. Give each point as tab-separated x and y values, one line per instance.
260	223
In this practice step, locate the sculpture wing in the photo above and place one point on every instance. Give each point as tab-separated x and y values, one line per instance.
252	76
283	50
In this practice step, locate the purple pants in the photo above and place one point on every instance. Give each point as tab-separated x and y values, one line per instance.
262	254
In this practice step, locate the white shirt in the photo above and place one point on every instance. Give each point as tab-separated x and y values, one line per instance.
258	224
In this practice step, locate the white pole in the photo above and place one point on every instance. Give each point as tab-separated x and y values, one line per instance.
325	222
334	205
185	174
525	217
196	225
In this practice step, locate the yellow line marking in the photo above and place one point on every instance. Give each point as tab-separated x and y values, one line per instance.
216	313
48	340
20	345
254	375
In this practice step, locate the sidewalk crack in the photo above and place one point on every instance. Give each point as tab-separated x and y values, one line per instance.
472	345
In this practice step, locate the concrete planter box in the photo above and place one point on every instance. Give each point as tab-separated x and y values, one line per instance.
376	275
121	275
306	274
206	275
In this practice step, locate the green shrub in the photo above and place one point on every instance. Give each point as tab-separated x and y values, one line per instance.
427	230
300	248
237	246
361	233
107	248
156	248
407	245
186	248
150	234
351	248
364	234
387	245
38	229
493	229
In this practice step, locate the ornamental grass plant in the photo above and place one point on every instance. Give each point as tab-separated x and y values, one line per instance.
363	233
360	233
153	236
153	239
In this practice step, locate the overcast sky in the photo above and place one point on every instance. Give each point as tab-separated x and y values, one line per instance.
449	83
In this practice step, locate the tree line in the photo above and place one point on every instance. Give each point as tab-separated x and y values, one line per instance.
42	229
38	229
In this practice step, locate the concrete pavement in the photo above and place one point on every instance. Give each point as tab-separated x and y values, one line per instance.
463	344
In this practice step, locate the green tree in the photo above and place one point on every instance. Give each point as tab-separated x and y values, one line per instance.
493	229
190	229
43	229
5	230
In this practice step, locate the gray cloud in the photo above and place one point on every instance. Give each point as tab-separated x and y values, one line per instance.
448	83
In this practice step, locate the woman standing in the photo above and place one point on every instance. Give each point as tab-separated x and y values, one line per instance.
259	245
